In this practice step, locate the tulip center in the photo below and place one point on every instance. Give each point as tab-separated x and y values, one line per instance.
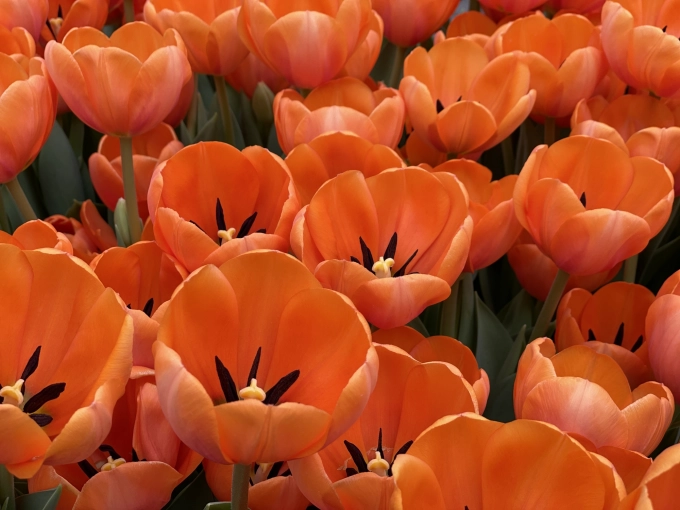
12	395
226	235
382	268
112	464
252	392
378	465
54	24
618	339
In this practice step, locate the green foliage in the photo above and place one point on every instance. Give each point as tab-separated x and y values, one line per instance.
45	500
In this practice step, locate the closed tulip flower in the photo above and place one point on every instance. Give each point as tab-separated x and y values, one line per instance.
29	14
459	101
356	470
657	489
363	60
60	378
211	202
589	206
408	22
346	104
17	43
468	461
64	15
251	72
473	25
393	243
124	85
308	43
587	395
37	234
662	338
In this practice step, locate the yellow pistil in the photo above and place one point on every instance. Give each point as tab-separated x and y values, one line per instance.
379	466
226	235
12	394
252	392
382	268
112	463
56	24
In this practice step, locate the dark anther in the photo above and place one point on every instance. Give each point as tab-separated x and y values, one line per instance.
637	345
135	457
459	99
286	473
219	216
197	225
281	387
110	450
312	507
274	471
129	306
247	225
357	457
49	27
253	369
618	340
440	106
354	259
350	472
226	382
466	507
48	394
402	271
261	231
87	468
404	138
367	255
391	249
380	448
60	13
583	198
148	307
41	419
664	29
404	448
591	335
31	367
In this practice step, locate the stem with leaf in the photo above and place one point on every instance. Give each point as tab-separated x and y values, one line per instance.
20	199
448	324
630	269
129	7
6	489
130	189
549	135
550	304
225	109
240	481
397	66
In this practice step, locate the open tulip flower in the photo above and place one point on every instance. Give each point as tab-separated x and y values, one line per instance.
662	335
611	322
211	202
459	101
640	39
312	164
29	14
249	73
148	150
17	43
588	205
290	374
409	22
356	470
393	243
308	42
124	85
37	234
657	489
64	15
67	354
588	395
469	462
137	465
346	104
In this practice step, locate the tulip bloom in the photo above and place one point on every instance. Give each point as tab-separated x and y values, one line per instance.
468	461
640	39
588	206
409	22
459	101
657	489
577	6
29	14
291	372
252	71
67	345
37	234
587	395
511	6
308	43
611	322
393	243
474	25
211	202
124	85
148	150
17	43
312	164
64	15
137	466
355	471
341	105
363	60
662	337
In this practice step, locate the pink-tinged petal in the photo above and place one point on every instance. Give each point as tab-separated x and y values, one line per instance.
648	417
313	482
465	126
663	338
365	490
534	367
153	439
599	130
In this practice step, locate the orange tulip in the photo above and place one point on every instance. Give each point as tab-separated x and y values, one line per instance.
289	374
587	395
341	105
495	225
409	22
137	466
179	112
306	42
355	471
37	234
28	106
67	354
208	28
640	39
252	71
29	14
210	202
562	55
658	487
468	461
473	24
64	15
124	85
17	43
330	154
588	206
362	61
148	150
439	348
511	6
662	337
393	243
459	101
611	322
578	6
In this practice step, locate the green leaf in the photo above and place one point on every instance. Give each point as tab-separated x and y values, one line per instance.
45	500
251	133
5	505
211	130
59	173
518	313
500	405
184	135
29	183
6	488
493	341
273	142
510	364
201	113
194	496
218	506
418	325
466	298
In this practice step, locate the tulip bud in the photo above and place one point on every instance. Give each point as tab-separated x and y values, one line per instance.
121	224
263	101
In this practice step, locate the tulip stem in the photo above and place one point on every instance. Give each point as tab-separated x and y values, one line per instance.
508	156
192	116
4	221
131	207
397	66
550	304
474	5
549	131
630	269
240	480
449	322
20	199
6	489
129	6
223	99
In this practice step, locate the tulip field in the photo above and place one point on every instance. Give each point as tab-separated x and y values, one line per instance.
339	254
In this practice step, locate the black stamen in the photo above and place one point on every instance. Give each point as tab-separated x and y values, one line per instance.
31	367
129	305
402	271
583	199
281	387
256	364
391	250
261	231
404	138
49	27
459	99
226	381
440	106
380	447
60	13
135	457
591	335
637	345
274	471
219	216
87	468
619	336
247	225
404	448
110	450
44	396
197	225
351	472
664	29
148	307
286	473
354	259
366	254
41	419
357	457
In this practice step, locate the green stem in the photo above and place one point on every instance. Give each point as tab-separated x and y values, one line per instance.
6	488
550	304
192	116
448	324
418	325
549	131
485	286
225	109
657	241
4	221
508	156
240	480
397	66
129	6
474	5
20	199
630	269
131	208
